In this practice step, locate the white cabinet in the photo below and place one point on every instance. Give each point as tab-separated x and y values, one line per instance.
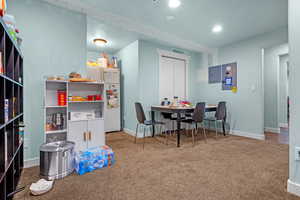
86	134
77	133
96	133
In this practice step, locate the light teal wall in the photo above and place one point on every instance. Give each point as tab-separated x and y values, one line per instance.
129	63
94	55
54	42
294	82
271	84
149	71
245	108
140	70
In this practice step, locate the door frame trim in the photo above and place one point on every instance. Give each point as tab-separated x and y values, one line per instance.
170	54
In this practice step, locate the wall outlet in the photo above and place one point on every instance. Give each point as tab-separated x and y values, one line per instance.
297	153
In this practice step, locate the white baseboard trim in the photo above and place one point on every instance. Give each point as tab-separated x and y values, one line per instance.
272	130
248	135
129	131
293	188
32	162
283	125
140	134
234	132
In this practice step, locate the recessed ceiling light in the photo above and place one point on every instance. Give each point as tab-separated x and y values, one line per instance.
174	3
217	29
100	42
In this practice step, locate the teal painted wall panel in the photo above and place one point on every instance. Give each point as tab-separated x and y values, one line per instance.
149	72
129	63
271	66
54	42
245	108
140	71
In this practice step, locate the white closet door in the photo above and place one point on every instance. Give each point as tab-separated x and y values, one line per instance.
179	79
172	78
166	79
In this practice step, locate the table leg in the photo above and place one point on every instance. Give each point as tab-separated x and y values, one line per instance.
153	119
178	129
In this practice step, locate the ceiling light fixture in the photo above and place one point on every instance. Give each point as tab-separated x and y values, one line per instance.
174	3
217	29
100	42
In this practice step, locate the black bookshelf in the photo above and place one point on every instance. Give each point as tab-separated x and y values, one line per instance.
11	114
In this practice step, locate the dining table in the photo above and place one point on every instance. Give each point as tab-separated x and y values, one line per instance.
179	111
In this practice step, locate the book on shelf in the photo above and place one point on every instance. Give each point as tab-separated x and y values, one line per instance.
6	110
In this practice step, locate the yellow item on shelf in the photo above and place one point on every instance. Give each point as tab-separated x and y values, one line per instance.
234	89
81	80
78	98
93	64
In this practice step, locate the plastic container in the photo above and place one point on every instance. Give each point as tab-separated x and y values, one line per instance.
95	73
94	158
102	62
61	98
57	159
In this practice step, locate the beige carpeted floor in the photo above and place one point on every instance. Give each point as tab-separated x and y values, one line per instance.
229	168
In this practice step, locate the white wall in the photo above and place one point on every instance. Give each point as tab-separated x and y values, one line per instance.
294	82
54	42
271	85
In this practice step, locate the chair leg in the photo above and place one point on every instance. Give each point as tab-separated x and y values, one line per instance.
204	133
173	128
167	135
144	137
193	137
136	132
160	130
216	126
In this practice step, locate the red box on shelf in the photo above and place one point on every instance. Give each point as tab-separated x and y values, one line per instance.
98	97
61	98
91	97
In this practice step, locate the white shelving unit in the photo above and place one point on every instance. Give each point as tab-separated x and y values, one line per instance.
85	133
